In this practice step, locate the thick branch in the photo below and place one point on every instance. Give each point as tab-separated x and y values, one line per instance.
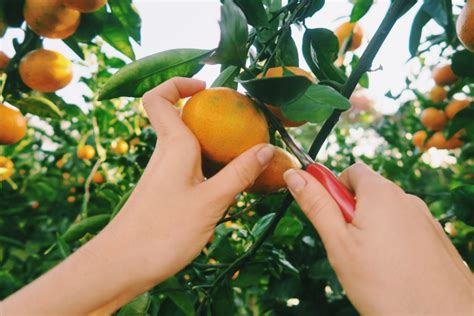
364	65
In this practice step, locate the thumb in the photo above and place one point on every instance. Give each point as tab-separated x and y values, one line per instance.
238	175
317	204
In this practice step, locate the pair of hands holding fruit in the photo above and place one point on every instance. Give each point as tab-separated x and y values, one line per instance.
393	259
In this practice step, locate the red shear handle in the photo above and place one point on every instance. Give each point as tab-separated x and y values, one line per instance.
343	197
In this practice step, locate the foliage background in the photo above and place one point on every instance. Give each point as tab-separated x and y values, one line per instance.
289	274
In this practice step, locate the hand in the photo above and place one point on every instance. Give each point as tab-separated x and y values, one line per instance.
164	225
394	258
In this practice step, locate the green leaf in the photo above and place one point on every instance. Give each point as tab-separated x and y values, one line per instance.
73	44
437	10
178	294
227	78
232	49
126	13
463	119
419	22
261	225
90	225
313	7
91	25
321	270
322	47
277	90
143	75
463	197
316	105
463	63
39	106
287	53
115	34
254	12
223	303
289	227
360	8
64	248
139	306
364	80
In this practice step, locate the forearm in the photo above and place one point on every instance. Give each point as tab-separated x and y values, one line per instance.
83	283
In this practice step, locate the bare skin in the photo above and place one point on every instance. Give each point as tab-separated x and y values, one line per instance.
157	233
394	259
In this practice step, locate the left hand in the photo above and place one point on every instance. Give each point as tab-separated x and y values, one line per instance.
163	226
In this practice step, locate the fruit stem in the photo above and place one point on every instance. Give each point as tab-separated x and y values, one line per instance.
363	66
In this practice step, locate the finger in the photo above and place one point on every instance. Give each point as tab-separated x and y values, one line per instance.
159	105
318	205
238	175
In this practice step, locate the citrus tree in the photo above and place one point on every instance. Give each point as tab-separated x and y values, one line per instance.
65	171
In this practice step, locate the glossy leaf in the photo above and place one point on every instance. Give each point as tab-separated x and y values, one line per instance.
261	225
232	49
126	13
314	6
316	105
38	106
90	225
420	20
138	306
463	63
287	54
277	90
254	12
437	10
322	47
463	119
143	75
227	78
91	25
116	35
179	296
74	46
360	8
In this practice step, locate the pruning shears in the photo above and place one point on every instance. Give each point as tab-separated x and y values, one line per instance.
343	197
338	191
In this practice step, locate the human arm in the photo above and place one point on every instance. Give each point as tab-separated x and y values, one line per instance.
162	227
394	258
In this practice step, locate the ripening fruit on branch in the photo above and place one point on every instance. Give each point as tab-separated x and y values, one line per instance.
98	178
85	5
51	18
12	125
455	141
444	75
4	60
455	106
271	179
6	168
419	139
437	140
345	30
85	152
45	70
433	119
438	94
465	25
225	122
278	72
120	147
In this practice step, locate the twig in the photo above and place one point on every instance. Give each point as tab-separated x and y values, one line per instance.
240	213
363	66
87	194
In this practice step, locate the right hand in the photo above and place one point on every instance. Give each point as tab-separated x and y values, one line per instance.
394	257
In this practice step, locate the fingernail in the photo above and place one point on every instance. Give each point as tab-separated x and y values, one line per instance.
265	154
294	181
